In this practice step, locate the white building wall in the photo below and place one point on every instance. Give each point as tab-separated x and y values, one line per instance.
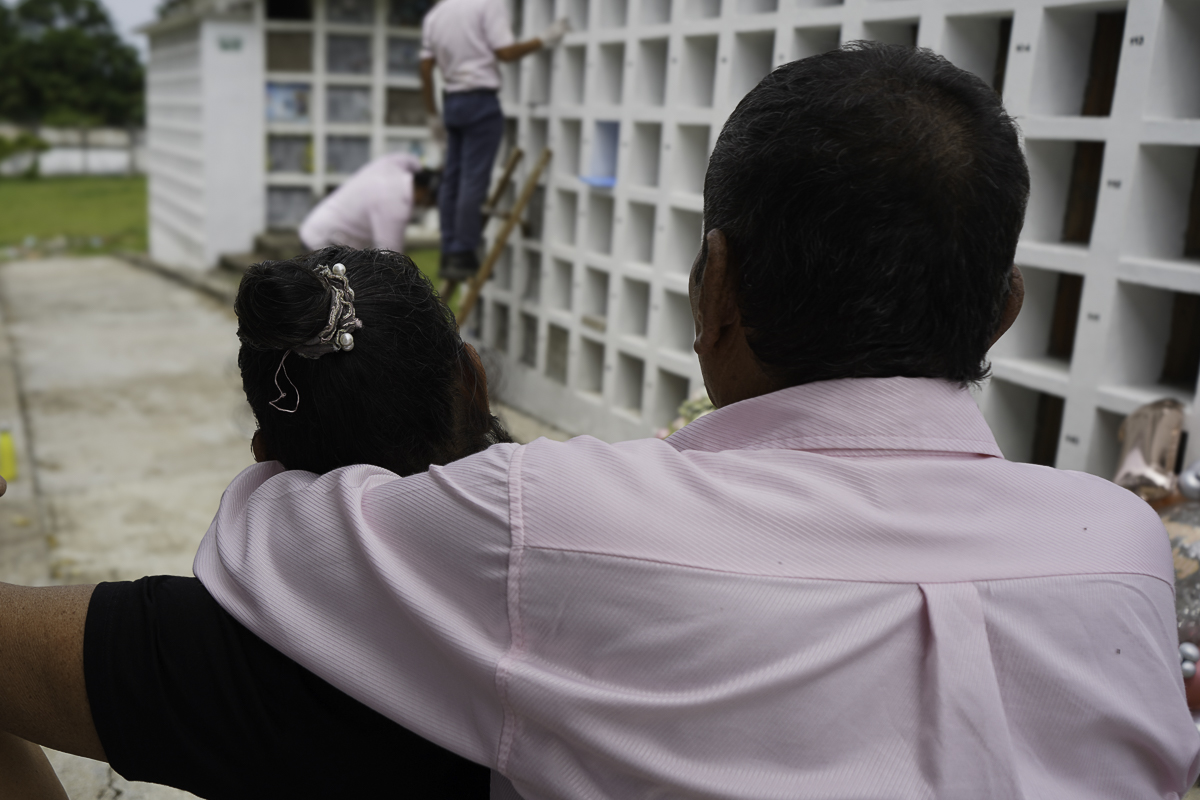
175	146
233	135
587	319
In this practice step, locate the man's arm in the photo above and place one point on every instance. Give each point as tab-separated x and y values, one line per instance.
427	65
43	696
25	772
519	50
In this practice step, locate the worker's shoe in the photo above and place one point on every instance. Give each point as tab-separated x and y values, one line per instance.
459	266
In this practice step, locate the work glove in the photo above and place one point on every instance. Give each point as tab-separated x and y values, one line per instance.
437	128
555	32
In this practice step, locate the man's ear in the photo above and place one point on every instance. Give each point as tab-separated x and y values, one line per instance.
714	301
1012	306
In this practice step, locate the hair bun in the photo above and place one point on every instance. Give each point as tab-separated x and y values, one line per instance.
280	305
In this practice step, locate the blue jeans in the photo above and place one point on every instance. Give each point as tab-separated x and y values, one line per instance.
474	127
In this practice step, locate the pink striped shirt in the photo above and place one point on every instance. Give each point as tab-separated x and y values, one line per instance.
839	590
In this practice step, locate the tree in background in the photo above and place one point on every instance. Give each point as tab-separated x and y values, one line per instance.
62	63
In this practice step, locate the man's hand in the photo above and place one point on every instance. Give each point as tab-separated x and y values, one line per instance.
3	486
437	128
555	32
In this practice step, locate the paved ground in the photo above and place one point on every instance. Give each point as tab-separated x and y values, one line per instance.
133	423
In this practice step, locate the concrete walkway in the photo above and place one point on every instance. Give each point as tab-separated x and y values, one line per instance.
122	391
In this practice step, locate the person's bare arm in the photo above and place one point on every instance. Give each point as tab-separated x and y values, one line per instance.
43	696
518	50
25	772
427	65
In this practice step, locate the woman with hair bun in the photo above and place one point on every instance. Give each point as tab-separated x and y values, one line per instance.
348	357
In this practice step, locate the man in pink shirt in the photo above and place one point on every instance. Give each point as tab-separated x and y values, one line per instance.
833	586
373	207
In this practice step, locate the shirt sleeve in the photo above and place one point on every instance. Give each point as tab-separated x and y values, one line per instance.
394	590
497	28
426	39
183	695
390	214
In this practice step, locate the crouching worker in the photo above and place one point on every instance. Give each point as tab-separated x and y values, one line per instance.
373	208
348	357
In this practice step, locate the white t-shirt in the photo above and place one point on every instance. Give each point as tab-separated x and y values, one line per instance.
462	36
371	209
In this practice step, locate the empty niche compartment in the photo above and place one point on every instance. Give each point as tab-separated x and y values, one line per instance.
503	270
639	233
591	366
1105	449
757	6
404	56
289	9
979	45
348	55
631	374
289	51
701	9
476	325
287	206
541	70
1166	204
677	331
578	14
500	327
407	13
573	73
691	158
1174	89
814	41
564	274
529	331
699	70
356	12
595	299
289	154
602	166
510	81
1077	60
539	137
570	136
652	72
346	154
1046	326
753	57
647	154
1027	423
1064	189
600	223
565	217
672	391
532	292
535	214
613	13
610	76
686	231
635	307
656	12
405	107
1159	341
557	344
347	104
902	32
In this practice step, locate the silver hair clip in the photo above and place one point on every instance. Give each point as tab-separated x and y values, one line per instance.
336	335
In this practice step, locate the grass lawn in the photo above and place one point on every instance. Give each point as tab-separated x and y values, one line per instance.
94	213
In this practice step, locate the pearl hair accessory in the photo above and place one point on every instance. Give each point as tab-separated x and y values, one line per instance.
337	335
1189	654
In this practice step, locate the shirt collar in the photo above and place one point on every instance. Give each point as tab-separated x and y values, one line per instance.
913	414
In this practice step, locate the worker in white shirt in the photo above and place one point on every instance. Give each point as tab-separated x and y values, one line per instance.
372	209
467	39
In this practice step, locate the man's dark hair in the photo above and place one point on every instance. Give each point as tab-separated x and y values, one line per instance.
872	198
430	179
401	399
